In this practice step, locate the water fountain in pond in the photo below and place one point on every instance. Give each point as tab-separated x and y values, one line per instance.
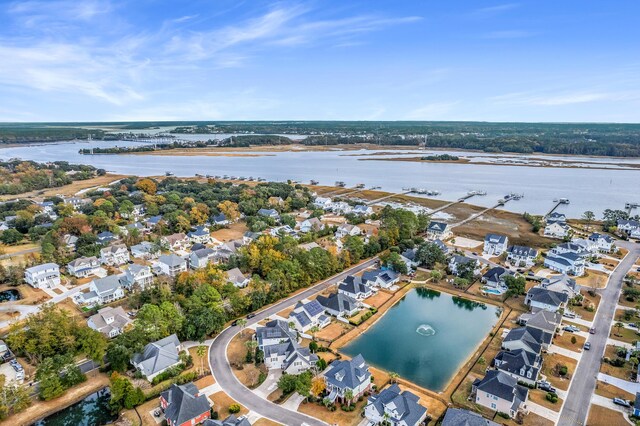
425	330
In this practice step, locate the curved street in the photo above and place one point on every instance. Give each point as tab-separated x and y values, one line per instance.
576	407
223	373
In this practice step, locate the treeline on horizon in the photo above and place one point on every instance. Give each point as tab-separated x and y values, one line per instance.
606	139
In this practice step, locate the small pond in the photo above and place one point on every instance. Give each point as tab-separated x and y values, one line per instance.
9	295
92	411
426	337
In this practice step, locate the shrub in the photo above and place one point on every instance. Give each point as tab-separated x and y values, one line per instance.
573	340
563	370
552	397
234	408
504	415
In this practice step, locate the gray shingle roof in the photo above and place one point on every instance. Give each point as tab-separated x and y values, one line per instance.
158	356
405	404
338	302
171	260
348	374
183	404
495	238
437	226
518	362
354	285
460	417
546	296
532	338
502	385
522	251
229	421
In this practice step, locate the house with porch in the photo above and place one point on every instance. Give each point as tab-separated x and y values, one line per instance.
561	284
522	365
566	263
396	407
522	256
439	231
347	375
383	278
355	288
46	275
346	229
101	291
311	224
176	242
137	277
557	230
494	279
500	392
145	250
200	235
281	350
201	257
171	265
495	244
84	266
604	243
115	255
307	315
237	278
457	260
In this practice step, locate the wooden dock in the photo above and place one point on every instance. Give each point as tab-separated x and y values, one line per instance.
556	205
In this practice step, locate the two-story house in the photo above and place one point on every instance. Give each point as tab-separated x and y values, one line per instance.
495	244
109	321
522	365
171	264
46	275
438	231
347	375
522	256
102	291
543	298
158	356
395	407
84	266
200	235
355	287
500	392
115	255
137	277
307	315
200	258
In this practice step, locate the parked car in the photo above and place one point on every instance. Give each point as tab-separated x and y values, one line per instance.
251	315
621	402
592	330
569	315
546	386
234	323
571	329
587	346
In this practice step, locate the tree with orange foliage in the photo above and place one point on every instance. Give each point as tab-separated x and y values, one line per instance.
147	185
230	210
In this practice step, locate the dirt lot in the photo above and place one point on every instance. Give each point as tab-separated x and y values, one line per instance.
593	279
550	361
378	299
233	232
603	416
285	312
337	417
333	331
610	391
588	300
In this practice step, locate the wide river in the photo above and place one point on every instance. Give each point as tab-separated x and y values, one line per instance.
587	188
425	337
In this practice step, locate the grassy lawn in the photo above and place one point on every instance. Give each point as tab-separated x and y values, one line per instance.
588	301
609	391
624	302
540	397
265	422
222	401
626	335
593	279
337	417
548	365
603	416
623	372
248	374
565	341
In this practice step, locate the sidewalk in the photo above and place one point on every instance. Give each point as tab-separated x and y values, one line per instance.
565	352
545	412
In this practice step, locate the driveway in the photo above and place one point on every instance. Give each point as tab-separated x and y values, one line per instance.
223	374
631	387
583	385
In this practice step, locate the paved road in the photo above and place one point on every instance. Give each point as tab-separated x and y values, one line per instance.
224	375
19	253
575	409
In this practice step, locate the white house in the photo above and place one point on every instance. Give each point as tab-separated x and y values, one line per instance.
565	263
495	245
176	242
311	224
347	229
557	230
438	231
237	278
200	258
145	250
281	349
102	291
109	321
200	235
137	276
339	305
171	265
158	356
308	315
323	203
604	243
46	275
344	375
542	298
522	255
500	392
355	288
84	266
628	226
362	210
114	255
394	407
340	207
385	278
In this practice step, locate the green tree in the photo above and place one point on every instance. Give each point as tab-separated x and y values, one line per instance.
428	254
11	237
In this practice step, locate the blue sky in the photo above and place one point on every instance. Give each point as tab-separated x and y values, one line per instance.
100	60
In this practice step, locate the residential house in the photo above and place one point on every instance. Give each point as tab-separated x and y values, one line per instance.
565	263
530	339
200	258
395	408
442	246
229	421
184	405
355	288
438	231
457	260
84	266
522	256
495	277
500	392
495	245
341	207
384	278
311	224
200	235
520	364
46	275
176	242
275	201
542	298
347	229
158	356
152	222
278	231
70	242
557	230
543	320
409	258
106	237
249	237
136	226
109	321
137	277
76	202
628	226
228	249
323	203
281	349
339	305
114	255
460	417
561	284
220	220
237	278
604	243
307	315
362	210
102	291
171	264
273	214
145	250
347	375
556	217
309	246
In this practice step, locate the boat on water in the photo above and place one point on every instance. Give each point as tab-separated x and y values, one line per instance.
169	174
314	182
340	183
